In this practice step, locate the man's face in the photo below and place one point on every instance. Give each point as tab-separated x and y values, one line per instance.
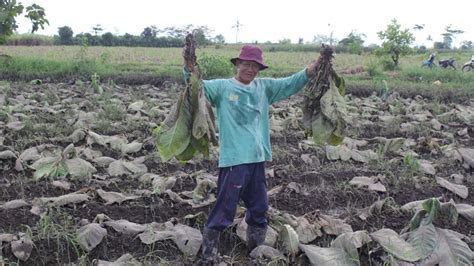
247	71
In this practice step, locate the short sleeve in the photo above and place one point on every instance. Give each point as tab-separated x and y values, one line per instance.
282	88
212	91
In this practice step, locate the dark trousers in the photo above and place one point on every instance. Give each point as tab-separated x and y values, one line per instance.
246	182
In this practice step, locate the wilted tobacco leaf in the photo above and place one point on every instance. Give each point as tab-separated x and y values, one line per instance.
150	236
267	252
79	168
72	198
131	147
125	259
466	210
7	155
161	184
16	125
307	231
289	239
30	154
126	227
7	237
395	245
327	256
351	241
424	239
64	185
188	239
103	161
450	250
111	197
22	248
334	226
372	183
427	167
90	235
468	157
201	191
136	106
123	167
14	204
460	190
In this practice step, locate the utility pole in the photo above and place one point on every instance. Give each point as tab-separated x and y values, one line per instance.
237	27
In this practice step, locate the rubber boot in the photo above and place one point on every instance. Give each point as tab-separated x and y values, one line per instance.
210	238
255	236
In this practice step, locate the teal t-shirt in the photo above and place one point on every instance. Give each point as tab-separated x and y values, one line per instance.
242	114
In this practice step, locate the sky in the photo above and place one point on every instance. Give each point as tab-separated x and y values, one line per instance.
262	20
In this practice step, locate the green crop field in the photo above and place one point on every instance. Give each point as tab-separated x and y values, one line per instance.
139	65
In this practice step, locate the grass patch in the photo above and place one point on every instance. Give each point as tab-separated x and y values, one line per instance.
140	65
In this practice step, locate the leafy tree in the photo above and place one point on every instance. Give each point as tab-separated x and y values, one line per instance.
36	15
440	45
201	35
176	32
10	9
149	32
65	35
354	42
466	45
108	39
284	41
321	38
396	42
449	35
219	39
97	28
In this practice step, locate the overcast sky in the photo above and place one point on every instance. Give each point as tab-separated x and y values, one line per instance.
262	20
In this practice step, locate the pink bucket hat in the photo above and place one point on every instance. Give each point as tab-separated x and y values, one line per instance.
251	53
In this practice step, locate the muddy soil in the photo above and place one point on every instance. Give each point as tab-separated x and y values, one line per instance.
324	189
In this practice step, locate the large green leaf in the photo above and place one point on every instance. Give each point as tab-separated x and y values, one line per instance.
49	167
174	135
430	209
187	154
333	107
321	129
328	126
189	127
289	238
340	83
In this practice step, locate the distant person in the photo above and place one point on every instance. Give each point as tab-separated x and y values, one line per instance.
242	104
431	58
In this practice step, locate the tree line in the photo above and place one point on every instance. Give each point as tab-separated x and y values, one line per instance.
149	37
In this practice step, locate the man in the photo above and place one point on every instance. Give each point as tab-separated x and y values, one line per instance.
242	106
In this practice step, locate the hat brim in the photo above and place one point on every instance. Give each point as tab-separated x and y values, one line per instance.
262	66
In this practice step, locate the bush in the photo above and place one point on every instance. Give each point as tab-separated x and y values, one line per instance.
388	64
373	68
30	40
214	66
